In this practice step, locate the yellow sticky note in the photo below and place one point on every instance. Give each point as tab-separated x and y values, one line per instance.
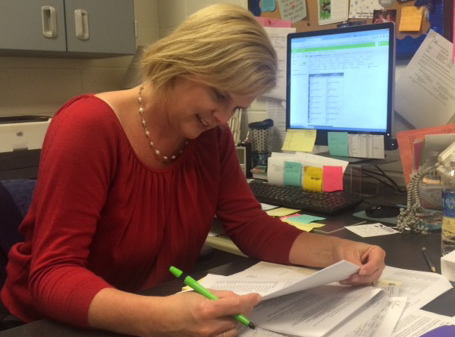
299	140
411	19
281	211
312	180
307	227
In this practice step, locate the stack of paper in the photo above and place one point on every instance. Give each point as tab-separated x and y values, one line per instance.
303	302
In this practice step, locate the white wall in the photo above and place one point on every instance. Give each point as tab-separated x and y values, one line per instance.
172	12
40	85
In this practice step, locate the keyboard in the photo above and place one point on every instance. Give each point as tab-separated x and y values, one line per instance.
297	198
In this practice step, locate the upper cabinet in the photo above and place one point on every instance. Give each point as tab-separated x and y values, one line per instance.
68	27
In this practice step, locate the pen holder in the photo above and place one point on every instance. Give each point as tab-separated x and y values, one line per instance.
260	138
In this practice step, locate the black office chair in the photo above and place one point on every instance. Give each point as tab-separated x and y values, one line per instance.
15	198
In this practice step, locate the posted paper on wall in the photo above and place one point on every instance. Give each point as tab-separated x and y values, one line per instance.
331	11
278	37
425	91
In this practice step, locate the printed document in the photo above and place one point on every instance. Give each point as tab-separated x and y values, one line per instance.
425	90
420	322
286	279
301	301
309	303
420	287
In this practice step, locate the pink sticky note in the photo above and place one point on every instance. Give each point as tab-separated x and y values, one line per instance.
332	178
269	22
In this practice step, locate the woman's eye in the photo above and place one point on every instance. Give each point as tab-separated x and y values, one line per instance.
219	96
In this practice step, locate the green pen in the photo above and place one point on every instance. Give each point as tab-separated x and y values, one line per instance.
197	287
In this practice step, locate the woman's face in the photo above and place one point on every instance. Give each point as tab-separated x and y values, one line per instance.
195	107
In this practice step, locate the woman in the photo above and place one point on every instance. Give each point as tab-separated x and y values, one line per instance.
130	181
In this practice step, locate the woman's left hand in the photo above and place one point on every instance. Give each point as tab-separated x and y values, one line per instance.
314	250
369	258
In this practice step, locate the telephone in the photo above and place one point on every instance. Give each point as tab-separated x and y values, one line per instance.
444	158
425	186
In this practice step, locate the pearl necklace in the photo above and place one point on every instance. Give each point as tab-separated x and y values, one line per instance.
147	133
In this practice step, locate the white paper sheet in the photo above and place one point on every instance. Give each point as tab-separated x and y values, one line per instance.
316	311
419	287
425	91
279	281
376	229
258	332
334	11
420	322
278	37
292	10
366	146
363	9
380	325
333	310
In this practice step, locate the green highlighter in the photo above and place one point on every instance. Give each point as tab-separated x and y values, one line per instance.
197	287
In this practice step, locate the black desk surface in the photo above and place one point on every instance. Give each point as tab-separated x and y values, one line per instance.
403	251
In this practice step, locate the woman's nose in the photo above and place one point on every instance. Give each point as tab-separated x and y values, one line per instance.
223	116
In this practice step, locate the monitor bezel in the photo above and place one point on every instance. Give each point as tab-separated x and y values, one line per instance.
322	134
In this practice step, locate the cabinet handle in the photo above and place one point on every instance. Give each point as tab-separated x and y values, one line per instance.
49	21
81	22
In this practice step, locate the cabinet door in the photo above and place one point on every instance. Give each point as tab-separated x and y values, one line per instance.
32	25
100	26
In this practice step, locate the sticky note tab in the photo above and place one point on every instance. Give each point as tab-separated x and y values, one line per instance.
411	19
292	173
332	178
312	180
299	140
338	144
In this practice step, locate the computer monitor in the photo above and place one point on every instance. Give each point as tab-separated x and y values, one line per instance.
342	80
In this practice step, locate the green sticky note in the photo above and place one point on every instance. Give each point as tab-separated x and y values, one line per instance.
338	143
292	173
268	5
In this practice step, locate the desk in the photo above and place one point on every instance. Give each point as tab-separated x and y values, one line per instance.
403	251
335	222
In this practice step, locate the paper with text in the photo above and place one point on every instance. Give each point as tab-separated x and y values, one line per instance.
316	311
276	285
278	37
376	229
425	91
420	322
419	287
258	332
334	310
332	11
379	325
366	146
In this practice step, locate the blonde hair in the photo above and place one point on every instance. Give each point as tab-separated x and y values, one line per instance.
222	46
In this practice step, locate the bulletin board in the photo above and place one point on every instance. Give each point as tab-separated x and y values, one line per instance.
438	15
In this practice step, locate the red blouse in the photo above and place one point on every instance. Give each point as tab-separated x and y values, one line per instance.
101	218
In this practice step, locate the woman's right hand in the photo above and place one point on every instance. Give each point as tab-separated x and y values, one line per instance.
180	315
191	314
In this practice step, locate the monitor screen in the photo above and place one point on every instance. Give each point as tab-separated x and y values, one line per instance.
341	80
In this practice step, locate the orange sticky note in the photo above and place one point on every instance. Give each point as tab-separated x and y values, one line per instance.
332	178
411	19
312	180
